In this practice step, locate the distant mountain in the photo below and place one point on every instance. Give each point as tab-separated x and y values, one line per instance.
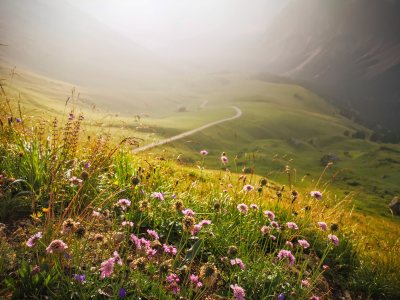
58	40
348	51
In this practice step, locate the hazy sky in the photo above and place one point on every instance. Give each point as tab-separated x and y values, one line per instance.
186	29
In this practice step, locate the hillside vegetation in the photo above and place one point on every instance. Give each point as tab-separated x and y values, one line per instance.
84	218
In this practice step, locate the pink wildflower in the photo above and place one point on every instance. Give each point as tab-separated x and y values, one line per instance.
303	243
33	239
238	292
188	212
170	249
158	195
322	225
269	214
334	239
289	244
107	268
239	262
204	152
313	297
173	281
127	224
196	229
305	283
224	159
242	208
205	222
153	234
141	243
265	230
254	206
275	224
248	188
272	237
117	258
150	252
97	214
123	203
292	225
287	254
74	181
316	194
56	246
195	280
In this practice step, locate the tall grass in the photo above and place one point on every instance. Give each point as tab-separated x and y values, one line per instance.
68	185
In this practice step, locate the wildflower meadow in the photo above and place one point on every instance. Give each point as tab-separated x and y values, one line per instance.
85	218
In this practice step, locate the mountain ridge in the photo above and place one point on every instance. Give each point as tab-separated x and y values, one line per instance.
346	50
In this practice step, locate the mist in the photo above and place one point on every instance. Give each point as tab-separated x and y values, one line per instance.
347	51
187	35
209	34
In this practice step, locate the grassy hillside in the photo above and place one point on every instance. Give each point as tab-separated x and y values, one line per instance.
288	125
84	218
282	124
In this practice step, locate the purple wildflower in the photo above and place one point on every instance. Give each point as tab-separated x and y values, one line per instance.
323	225
107	268
127	224
117	258
239	262
287	254
269	214
248	188
205	222
75	181
170	249
33	239
334	239
303	243
289	244
124	203
56	246
265	229
153	234
305	283
254	206
158	195
122	293
316	194
243	208
281	297
173	281
292	225
141	243
80	278
188	212
238	292
275	224
195	280
204	152
150	252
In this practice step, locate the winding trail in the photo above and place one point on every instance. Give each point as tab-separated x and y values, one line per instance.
190	132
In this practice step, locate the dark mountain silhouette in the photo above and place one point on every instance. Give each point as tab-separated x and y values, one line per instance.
348	51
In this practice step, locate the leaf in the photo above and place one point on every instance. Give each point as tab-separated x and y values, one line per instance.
193	251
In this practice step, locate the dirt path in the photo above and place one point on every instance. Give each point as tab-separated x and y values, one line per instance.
190	132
